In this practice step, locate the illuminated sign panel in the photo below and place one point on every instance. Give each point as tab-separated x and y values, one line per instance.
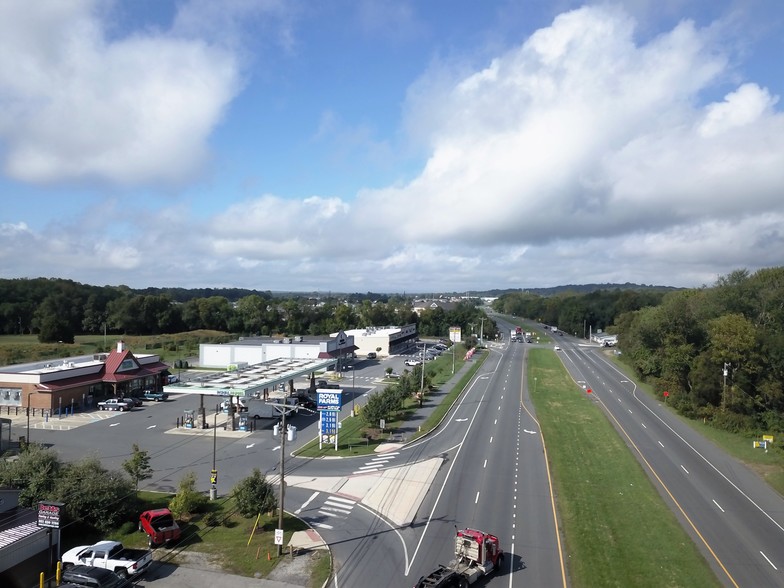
329	399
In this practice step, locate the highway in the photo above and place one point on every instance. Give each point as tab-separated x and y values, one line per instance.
493	478
733	516
487	464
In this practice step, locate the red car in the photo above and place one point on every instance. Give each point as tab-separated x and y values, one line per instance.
160	526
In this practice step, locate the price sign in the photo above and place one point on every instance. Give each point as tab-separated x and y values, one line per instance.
329	422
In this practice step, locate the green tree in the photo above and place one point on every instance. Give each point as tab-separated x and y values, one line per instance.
95	495
138	466
254	495
187	501
34	473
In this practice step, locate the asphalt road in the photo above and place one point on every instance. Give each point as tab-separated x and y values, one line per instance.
492	476
732	515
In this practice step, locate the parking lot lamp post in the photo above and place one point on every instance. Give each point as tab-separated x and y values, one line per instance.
27	439
214	486
422	385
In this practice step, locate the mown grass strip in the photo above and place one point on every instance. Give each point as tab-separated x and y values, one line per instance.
617	529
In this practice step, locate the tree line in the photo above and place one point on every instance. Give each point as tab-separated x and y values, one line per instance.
57	310
718	351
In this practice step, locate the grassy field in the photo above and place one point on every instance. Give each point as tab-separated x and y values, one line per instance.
23	348
617	529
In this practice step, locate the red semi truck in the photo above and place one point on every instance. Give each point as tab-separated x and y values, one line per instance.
477	554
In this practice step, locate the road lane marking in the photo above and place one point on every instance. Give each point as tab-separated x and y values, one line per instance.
275	448
249	446
643	426
321	525
770	562
718	506
307	502
529	432
684	469
151	427
491	439
485	465
660	443
114	424
343	500
476	500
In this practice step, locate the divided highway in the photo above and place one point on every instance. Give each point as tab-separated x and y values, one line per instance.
732	515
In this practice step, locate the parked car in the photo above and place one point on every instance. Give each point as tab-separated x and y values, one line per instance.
306	401
371	355
412	362
160	526
92	577
134	400
155	396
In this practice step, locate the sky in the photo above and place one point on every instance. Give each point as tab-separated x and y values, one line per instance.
398	146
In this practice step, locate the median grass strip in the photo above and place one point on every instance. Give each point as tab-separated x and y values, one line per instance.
617	529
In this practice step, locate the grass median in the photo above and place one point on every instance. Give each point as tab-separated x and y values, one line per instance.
617	529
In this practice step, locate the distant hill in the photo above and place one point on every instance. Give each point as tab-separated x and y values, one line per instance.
577	289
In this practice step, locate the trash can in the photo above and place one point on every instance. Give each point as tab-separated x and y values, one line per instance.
292	433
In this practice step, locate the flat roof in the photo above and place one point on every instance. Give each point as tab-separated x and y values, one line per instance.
46	366
250	380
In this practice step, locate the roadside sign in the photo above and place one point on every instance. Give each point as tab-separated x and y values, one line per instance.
328	399
278	536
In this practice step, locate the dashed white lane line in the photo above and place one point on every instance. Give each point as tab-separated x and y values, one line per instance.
767	560
476	500
718	506
684	469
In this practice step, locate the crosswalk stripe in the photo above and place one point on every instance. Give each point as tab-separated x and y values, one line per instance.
343	500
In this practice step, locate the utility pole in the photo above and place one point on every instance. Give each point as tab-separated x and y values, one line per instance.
724	391
482	331
283	409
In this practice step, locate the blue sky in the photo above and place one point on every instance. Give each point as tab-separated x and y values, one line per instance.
428	146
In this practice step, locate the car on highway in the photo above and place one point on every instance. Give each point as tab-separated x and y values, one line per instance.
556	348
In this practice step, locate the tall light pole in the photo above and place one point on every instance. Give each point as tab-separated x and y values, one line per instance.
422	385
214	472
482	330
724	391
453	357
27	439
534	385
353	389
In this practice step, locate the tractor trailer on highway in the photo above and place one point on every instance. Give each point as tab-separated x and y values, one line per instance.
477	554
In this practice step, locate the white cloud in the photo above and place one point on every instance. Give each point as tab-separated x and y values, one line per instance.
80	106
583	131
584	154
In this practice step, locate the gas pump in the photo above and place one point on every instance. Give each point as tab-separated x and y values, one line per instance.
188	419
243	423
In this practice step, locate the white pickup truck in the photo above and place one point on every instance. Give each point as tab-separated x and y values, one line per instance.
110	555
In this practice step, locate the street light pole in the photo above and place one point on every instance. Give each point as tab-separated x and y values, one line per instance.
482	330
27	439
724	390
353	390
214	486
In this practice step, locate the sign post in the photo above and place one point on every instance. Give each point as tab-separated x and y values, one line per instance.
328	403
